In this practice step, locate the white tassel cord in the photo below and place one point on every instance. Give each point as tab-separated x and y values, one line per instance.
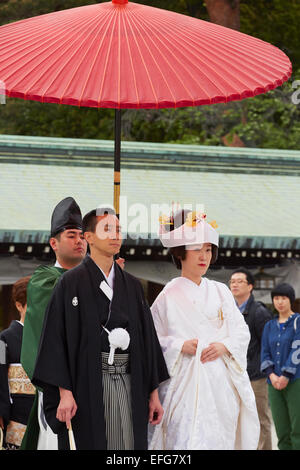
118	338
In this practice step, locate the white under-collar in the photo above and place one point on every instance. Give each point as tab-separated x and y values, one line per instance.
58	265
192	283
111	277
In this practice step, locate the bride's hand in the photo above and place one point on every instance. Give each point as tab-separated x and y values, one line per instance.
212	352
190	347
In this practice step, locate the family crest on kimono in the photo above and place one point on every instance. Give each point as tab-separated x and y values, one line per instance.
208	401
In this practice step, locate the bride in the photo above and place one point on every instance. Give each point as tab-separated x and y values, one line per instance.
208	401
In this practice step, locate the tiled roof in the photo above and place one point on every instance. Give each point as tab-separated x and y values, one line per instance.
251	193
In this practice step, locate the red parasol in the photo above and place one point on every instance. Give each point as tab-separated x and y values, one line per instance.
127	55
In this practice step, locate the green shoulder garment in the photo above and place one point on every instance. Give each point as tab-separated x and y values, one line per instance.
39	291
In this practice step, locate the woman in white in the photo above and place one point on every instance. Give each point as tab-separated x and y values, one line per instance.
208	401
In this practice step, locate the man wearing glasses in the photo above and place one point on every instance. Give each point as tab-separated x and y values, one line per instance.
256	315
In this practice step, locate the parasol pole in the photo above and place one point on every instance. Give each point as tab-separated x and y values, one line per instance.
117	152
117	162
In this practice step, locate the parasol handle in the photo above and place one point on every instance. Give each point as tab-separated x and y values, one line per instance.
71	438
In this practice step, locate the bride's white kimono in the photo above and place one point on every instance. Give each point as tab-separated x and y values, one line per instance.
210	405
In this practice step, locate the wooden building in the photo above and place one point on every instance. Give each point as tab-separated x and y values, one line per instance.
253	194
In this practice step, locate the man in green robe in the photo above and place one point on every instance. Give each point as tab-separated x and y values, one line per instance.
70	248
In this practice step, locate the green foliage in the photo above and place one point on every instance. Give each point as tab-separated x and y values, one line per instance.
14	10
34	118
274	21
270	120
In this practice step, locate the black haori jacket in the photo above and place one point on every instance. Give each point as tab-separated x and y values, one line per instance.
70	352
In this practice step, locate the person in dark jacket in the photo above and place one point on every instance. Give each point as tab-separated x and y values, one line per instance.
256	315
16	390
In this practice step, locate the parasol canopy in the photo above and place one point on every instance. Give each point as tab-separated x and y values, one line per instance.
121	54
127	55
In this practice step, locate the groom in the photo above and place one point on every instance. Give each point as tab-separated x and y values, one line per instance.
72	363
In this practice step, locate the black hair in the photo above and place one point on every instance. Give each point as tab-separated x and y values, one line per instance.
284	289
249	275
89	221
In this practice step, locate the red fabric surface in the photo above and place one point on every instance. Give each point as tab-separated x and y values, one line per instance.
127	55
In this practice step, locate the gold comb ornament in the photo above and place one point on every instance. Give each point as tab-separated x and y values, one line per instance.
169	219
193	218
214	224
165	220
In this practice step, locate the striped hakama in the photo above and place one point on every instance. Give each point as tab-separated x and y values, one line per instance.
117	402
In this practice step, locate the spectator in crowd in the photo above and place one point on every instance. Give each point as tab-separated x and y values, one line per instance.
256	315
16	390
280	359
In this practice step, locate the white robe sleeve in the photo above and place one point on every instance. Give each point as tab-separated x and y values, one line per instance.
171	345
238	335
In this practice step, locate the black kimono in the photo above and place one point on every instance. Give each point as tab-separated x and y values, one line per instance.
16	391
71	346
